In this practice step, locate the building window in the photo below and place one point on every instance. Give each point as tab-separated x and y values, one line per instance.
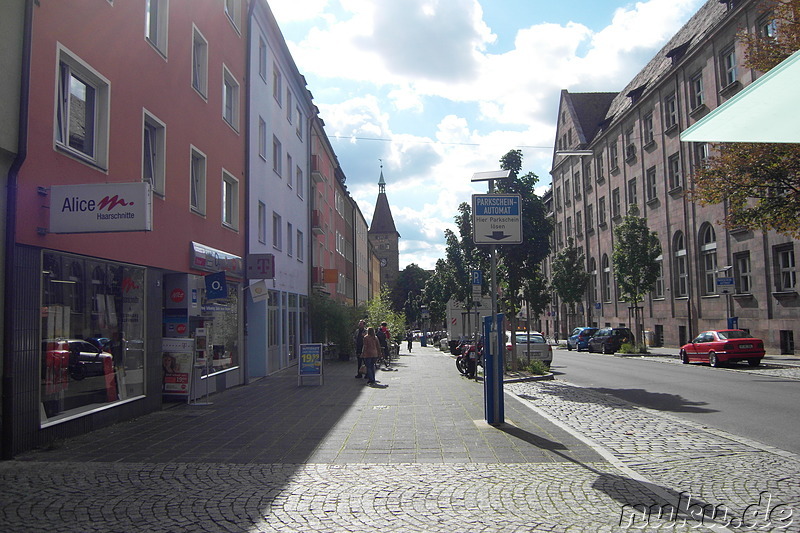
579	224
593	279
674	172
277	231
727	63
601	211
612	156
560	233
298	178
289	109
589	218
681	268
606	280
199	63
633	199
649	136
300	245
289	167
233	10
83	111
658	290
630	147
558	198
262	58
651	184
569	227
277	84
696	96
587	175
767	27
299	128
787	274
708	258
567	200
262	138
154	146
600	169
576	181
289	239
198	182
276	155
743	273
700	153
670	112
615	204
230	99
155	24
230	201
262	223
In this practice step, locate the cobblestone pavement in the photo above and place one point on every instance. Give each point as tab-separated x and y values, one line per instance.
413	457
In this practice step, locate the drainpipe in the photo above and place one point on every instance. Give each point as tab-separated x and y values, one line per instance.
11	236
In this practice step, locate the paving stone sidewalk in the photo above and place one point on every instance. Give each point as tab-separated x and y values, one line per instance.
414	456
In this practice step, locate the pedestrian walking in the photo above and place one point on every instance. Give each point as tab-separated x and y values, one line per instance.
370	354
409	338
383	338
358	337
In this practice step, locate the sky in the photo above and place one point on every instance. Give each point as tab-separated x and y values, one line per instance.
431	91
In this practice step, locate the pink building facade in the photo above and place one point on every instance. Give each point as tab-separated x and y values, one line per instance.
131	192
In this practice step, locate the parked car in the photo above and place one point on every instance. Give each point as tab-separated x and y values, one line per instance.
609	340
722	346
531	346
85	359
580	338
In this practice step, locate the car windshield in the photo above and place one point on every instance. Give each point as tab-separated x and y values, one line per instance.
535	339
734	334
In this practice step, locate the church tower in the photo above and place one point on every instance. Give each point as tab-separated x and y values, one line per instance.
384	237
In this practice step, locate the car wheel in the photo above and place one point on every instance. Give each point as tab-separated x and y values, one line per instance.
607	350
713	360
569	346
754	362
684	357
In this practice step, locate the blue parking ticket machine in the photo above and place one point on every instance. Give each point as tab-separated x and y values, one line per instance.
493	371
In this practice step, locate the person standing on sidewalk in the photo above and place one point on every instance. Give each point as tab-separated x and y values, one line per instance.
358	337
370	354
383	338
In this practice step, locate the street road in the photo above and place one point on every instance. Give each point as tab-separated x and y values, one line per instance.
742	402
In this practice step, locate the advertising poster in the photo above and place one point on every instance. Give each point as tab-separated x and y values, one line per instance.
177	362
310	362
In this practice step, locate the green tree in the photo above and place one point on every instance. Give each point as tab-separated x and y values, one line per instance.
759	181
438	289
570	278
379	309
332	322
410	281
636	268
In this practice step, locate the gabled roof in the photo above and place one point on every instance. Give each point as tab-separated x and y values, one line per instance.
587	111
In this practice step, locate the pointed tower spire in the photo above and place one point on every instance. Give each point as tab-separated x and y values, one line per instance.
381	181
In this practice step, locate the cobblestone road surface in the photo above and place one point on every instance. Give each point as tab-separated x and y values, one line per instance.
569	459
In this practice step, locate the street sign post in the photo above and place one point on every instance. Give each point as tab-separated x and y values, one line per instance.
497	218
477	284
725	285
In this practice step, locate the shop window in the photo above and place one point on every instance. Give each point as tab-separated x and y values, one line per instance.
92	353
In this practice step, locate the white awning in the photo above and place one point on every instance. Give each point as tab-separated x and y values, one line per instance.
765	111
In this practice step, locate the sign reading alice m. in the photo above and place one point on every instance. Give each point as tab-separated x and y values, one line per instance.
497	218
101	207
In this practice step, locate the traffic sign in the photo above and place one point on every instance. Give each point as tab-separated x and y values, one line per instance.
497	218
725	285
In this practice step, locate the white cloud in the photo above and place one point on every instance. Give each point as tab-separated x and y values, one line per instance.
414	55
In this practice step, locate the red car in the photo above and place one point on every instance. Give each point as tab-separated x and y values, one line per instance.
723	346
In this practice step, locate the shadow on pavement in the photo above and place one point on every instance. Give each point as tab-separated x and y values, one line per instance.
660	401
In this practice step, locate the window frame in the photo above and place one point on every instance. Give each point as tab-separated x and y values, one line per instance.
231	98
277	231
743	272
696	91
262	138
786	271
651	184
230	200
199	62
670	111
262	222
72	66
708	259
681	266
674	175
197	181
156	132
157	38
728	68
277	156
262	58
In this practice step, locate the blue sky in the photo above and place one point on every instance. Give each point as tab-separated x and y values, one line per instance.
435	90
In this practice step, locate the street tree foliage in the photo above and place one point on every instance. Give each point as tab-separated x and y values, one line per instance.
463	256
517	264
379	309
332	321
760	181
635	259
438	289
410	282
569	277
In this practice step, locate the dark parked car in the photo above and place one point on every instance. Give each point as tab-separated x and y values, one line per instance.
84	358
723	346
609	340
580	338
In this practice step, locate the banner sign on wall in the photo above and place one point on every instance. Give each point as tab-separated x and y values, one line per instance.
102	207
216	287
210	259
